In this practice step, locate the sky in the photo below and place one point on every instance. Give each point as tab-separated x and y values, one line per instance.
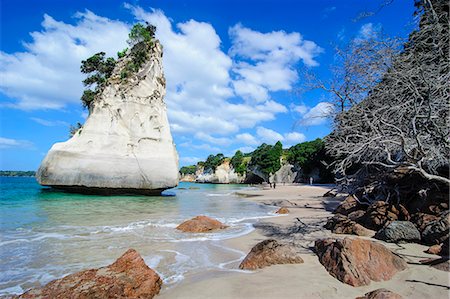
234	69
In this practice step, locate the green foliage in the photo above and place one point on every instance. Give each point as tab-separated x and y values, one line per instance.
75	129
309	155
239	163
100	69
267	157
140	33
122	53
213	161
191	169
16	173
87	98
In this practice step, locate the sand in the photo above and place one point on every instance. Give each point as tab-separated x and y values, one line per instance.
302	226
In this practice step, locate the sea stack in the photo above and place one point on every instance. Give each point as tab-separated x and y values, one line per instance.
125	145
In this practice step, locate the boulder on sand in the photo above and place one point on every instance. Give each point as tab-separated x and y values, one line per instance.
349	205
270	252
282	210
201	224
435	232
127	277
340	224
399	231
356	261
381	294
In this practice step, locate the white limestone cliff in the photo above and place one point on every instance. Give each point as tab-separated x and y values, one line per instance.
125	146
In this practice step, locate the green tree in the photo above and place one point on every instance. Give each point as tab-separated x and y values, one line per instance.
238	163
140	33
267	158
99	70
213	161
310	155
191	169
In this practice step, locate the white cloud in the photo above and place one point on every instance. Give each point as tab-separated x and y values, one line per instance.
214	140
14	143
211	94
268	135
369	31
189	160
300	109
266	62
318	114
293	138
49	123
48	74
246	138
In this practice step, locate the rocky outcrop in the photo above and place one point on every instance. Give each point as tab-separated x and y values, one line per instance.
356	261
399	231
270	252
349	205
125	146
340	224
224	174
381	294
127	277
200	224
435	232
382	213
434	249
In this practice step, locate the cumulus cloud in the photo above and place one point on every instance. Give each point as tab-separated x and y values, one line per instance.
369	31
265	62
212	94
47	75
294	138
14	143
49	123
270	136
246	138
317	115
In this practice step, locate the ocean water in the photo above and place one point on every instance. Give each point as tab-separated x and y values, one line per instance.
46	234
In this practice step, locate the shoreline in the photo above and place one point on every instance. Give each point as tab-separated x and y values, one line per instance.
302	226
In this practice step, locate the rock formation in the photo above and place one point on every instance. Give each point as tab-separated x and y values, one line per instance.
223	174
381	294
200	224
270	252
127	277
340	224
356	261
125	146
282	210
399	231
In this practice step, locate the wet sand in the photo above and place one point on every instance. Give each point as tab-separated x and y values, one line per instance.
302	226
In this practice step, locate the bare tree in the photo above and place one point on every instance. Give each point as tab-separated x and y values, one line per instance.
359	66
400	123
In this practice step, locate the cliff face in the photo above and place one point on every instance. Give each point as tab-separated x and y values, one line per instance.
224	174
125	144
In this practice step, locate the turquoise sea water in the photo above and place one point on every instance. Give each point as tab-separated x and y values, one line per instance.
46	234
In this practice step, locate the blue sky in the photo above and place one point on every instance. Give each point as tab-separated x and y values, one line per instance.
233	68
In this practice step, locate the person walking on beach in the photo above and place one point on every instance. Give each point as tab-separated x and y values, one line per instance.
311	180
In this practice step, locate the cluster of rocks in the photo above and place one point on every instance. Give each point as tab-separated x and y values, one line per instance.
394	223
353	261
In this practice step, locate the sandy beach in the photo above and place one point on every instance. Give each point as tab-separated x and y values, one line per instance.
302	226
